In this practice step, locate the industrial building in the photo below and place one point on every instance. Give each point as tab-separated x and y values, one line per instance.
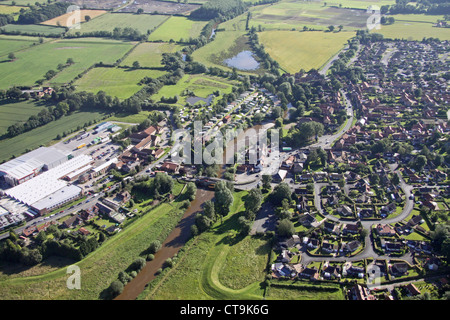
29	165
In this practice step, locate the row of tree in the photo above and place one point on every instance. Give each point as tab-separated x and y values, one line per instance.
222	9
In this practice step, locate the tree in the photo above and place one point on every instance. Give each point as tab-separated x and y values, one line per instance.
115	288
136	65
253	203
285	228
281	191
331	28
11	56
266	180
191	190
224	199
87	18
155	246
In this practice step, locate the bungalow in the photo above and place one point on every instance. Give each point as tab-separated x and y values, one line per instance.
390	208
313	243
331	272
385	230
72	221
358	292
309	273
306	220
350	246
350	228
345	211
412	290
329	247
170	167
280	176
399	268
332	227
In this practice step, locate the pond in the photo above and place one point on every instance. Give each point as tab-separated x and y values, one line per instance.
243	61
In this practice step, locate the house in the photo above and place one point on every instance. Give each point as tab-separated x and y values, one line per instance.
313	243
390	208
351	246
329	247
358	292
399	268
170	167
280	176
72	222
306	219
89	213
291	242
345	211
331	272
332	227
84	231
412	290
309	273
350	228
385	230
124	196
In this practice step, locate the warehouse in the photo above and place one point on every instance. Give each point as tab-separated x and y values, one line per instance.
57	199
29	165
46	183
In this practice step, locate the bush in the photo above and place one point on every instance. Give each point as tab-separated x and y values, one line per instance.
150	257
116	288
168	263
155	246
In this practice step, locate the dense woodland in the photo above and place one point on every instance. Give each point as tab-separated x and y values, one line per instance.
223	9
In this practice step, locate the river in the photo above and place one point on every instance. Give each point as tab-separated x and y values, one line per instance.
176	239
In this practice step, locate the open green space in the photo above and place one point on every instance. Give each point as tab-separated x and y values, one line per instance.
10	44
44	135
100	267
9	9
33	29
13	112
303	50
149	54
32	64
413	29
116	82
109	21
177	28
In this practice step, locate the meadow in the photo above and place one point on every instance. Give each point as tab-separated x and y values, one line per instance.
65	21
303	50
31	64
116	82
10	44
13	112
176	29
33	29
109	21
46	134
9	9
201	85
100	267
149	54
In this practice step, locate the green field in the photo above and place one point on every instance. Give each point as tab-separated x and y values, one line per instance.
149	54
303	50
34	29
109	21
44	135
201	85
116	82
99	268
414	27
31	65
177	28
9	9
10	44
11	113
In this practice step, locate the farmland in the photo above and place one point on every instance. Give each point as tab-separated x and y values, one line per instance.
10	44
31	64
94	4
107	22
166	7
9	9
43	135
64	20
149	54
177	28
303	50
33	29
13	112
118	82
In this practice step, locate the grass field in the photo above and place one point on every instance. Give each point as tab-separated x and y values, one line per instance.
10	44
102	266
149	54
13	112
31	64
65	21
44	135
414	27
303	50
177	28
201	85
109	21
9	9
33	29
119	82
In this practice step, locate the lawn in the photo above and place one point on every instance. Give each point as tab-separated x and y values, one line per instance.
177	28
109	21
134	118
44	135
102	266
149	54
31	64
116	82
303	50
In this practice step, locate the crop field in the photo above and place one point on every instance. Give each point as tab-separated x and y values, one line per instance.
9	9
358	4
303	50
13	112
107	22
31	64
43	135
202	86
288	15
10	44
22	2
149	54
66	21
177	28
34	29
116	82
166	7
414	27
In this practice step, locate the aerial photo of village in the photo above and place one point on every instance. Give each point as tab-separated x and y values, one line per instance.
245	150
